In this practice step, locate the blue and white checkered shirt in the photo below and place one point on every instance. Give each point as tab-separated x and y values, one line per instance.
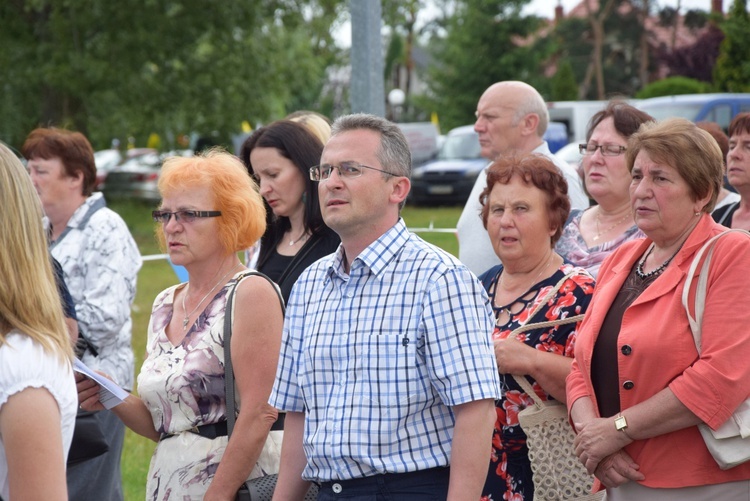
376	357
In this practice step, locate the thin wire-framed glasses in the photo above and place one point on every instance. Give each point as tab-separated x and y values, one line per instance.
348	170
184	216
608	150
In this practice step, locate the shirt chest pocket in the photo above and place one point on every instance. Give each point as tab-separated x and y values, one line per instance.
388	370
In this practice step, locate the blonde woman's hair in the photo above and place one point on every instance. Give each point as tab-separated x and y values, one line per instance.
29	298
314	122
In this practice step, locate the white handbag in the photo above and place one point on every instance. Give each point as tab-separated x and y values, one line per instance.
558	474
730	443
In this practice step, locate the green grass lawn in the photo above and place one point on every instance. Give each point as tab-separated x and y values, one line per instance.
157	275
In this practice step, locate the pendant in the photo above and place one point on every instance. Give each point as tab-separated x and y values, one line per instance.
596	238
185	322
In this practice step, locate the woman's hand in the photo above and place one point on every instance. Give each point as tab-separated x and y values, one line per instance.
88	392
617	469
514	357
597	439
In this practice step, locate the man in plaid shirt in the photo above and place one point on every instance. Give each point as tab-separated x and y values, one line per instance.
387	371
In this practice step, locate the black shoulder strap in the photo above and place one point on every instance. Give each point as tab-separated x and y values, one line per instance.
228	369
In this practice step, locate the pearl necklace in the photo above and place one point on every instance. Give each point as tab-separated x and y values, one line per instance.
186	319
656	271
617	223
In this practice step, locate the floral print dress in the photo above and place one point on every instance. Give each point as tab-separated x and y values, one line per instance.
573	248
509	476
183	386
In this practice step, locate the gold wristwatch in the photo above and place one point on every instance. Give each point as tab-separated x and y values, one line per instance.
621	423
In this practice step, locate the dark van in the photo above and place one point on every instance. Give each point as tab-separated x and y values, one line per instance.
719	108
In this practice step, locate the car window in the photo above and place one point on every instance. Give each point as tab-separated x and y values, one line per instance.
721	114
459	146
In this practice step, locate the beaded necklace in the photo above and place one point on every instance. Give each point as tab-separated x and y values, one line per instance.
655	271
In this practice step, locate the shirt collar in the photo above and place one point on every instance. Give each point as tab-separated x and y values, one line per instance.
79	217
375	256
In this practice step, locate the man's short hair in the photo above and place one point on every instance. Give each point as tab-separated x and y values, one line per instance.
394	154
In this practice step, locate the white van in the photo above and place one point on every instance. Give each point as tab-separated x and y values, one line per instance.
575	115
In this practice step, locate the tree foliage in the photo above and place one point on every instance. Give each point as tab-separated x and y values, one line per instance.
673	86
114	70
697	60
564	86
732	70
480	48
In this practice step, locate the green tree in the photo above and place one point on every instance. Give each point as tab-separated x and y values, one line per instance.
732	70
619	57
111	70
564	86
673	86
480	48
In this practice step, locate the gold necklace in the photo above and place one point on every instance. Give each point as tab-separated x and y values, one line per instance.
536	279
619	221
186	319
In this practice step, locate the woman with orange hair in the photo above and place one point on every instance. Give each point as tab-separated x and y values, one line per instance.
210	210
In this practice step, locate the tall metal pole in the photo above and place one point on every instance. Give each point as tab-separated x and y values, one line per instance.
367	87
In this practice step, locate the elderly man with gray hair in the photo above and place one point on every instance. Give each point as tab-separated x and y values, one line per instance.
512	118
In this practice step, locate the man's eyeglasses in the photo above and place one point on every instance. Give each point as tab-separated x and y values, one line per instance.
185	216
347	170
608	150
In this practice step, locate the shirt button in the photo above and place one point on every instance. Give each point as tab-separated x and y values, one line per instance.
628	385
626	349
336	488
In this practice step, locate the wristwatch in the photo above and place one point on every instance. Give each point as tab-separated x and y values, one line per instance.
621	424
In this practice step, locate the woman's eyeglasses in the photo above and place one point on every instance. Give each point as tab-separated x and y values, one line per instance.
347	170
185	216
608	150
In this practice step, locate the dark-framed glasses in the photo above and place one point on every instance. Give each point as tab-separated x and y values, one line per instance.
608	150
184	216
348	170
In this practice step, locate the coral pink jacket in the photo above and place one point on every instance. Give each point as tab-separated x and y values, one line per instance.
656	350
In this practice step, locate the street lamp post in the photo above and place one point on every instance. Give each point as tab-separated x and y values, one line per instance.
396	98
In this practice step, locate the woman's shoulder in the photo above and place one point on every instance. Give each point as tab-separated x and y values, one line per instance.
26	363
254	284
487	277
723	214
578	277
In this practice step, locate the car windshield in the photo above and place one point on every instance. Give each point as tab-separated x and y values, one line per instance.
662	111
460	146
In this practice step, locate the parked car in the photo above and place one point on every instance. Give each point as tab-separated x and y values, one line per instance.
574	114
137	177
423	140
450	178
556	136
105	160
720	108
